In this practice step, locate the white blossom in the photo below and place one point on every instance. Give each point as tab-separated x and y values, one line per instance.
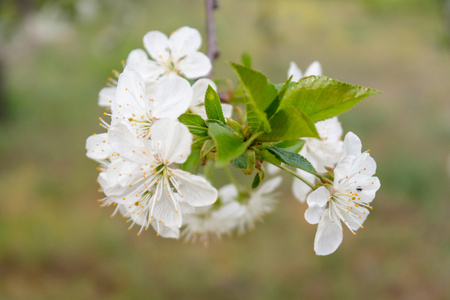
141	105
110	177
154	188
347	200
177	54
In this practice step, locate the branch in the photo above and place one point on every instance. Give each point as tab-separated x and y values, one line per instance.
213	49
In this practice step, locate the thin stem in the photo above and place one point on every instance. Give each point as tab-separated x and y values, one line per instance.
296	175
213	49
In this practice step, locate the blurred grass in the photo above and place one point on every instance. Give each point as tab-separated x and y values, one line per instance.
56	243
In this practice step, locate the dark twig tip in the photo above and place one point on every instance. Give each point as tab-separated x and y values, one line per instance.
213	50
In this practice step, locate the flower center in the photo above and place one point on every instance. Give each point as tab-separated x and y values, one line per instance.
349	208
142	125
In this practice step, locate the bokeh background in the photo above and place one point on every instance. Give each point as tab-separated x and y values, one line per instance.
57	243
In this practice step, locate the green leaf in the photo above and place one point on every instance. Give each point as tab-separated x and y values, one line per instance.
228	144
280	86
291	145
273	107
240	162
256	181
269	157
292	159
195	123
322	98
259	177
212	105
246	59
192	161
282	91
259	95
288	124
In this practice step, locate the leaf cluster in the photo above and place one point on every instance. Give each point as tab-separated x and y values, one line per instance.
276	118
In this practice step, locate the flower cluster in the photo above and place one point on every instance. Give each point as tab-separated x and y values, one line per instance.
167	126
145	144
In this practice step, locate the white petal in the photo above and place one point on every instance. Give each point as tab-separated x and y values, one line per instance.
168	214
136	57
300	189
295	72
319	197
199	110
103	180
364	164
352	144
106	96
195	189
328	236
227	110
195	65
269	186
317	201
353	171
98	147
370	188
330	129
183	41
148	69
342	169
229	211
166	209
173	97
185	207
150	90
172	232
130	97
228	193
322	153
199	90
313	69
313	214
109	179
125	143
156	43
171	140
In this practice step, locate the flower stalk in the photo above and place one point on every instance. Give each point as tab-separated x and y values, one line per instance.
296	175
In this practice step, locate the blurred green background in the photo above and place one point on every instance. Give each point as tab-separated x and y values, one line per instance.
55	241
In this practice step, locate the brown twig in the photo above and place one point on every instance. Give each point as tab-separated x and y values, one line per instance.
213	49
